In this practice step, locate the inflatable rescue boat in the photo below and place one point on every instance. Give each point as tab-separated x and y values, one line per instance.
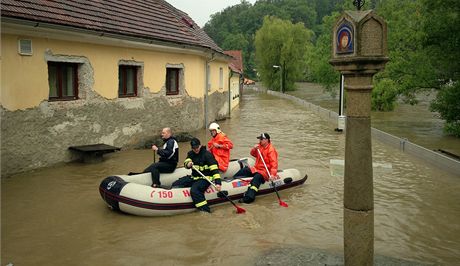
133	194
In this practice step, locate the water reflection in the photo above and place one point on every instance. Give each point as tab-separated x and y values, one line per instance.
55	216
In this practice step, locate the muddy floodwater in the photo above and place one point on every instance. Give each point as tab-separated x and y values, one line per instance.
55	216
415	123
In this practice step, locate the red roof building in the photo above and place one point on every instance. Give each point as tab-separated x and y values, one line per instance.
150	21
236	64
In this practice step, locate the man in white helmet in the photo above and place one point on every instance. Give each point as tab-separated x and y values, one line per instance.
219	145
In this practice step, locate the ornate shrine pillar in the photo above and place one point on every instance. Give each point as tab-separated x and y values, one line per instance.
359	52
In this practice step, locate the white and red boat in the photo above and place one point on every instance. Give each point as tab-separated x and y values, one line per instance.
133	194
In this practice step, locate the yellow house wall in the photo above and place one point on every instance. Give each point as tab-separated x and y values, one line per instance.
24	81
37	132
215	67
234	91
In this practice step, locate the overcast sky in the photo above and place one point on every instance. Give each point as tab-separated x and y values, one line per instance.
201	10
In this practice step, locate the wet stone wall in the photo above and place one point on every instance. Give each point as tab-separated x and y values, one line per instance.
40	137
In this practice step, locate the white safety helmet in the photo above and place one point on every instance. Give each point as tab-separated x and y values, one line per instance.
214	126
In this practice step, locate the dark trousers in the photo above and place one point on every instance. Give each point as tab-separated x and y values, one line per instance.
256	181
197	189
157	168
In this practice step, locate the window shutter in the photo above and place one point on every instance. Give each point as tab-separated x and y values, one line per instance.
25	47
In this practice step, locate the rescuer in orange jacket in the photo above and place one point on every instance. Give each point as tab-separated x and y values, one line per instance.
219	145
258	171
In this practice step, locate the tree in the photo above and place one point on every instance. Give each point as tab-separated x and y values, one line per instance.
446	103
442	44
442	38
409	67
317	57
246	19
279	42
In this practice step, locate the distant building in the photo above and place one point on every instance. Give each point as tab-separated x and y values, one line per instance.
114	72
236	76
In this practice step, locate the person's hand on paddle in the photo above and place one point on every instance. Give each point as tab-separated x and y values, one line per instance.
256	146
274	177
189	165
154	147
218	187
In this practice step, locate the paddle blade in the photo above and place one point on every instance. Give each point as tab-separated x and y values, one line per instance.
240	210
284	204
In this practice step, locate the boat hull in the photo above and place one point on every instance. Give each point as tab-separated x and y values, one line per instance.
130	195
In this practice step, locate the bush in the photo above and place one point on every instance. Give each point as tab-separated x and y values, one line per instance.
447	105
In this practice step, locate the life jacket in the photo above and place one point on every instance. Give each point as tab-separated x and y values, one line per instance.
205	163
270	156
222	155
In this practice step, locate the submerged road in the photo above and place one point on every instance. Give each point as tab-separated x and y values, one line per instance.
55	216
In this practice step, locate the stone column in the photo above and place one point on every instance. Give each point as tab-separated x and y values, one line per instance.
359	51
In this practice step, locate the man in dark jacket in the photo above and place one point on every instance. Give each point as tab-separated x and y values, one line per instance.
169	157
203	160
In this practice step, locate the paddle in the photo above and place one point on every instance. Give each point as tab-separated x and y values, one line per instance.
238	209
282	203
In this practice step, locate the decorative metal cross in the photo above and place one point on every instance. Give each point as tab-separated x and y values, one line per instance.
358	3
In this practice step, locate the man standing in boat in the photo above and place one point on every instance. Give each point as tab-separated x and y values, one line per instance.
219	145
259	170
201	159
169	157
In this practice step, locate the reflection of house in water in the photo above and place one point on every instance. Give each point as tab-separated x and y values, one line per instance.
113	72
236	76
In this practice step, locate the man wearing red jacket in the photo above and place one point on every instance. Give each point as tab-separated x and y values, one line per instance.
258	171
219	145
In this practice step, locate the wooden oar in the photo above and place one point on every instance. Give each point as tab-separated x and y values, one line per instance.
282	203
238	209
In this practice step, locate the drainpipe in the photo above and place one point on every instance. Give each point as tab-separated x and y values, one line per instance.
206	89
229	93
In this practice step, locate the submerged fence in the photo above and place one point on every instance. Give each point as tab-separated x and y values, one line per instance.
439	160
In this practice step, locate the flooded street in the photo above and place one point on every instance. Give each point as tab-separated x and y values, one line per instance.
415	123
55	216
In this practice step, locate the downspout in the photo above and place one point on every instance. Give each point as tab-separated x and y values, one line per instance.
206	89
229	93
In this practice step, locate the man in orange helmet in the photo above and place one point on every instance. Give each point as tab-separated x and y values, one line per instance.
219	145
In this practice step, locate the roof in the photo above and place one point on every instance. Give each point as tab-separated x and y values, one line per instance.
236	64
145	19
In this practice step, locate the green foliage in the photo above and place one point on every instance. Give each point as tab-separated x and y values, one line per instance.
442	42
317	57
384	95
447	105
235	42
409	68
279	42
243	20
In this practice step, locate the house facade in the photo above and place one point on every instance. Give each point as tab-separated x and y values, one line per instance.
113	72
236	77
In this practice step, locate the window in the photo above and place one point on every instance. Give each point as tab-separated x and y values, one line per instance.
63	80
172	81
127	81
221	78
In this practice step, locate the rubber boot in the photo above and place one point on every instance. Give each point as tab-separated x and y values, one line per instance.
249	196
204	208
